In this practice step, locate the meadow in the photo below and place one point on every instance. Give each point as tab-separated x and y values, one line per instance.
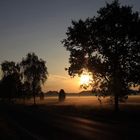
89	101
77	108
90	107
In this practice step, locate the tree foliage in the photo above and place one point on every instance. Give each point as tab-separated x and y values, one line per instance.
11	81
108	45
9	67
35	72
24	79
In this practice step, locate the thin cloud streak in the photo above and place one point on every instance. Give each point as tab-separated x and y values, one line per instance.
57	77
56	82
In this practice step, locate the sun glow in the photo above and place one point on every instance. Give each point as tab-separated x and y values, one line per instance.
86	78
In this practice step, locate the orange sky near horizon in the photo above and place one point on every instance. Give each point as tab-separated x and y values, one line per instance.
57	82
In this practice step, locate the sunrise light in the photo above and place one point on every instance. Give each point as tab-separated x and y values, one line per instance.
86	78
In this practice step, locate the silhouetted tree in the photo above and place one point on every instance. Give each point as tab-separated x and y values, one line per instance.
11	81
26	90
108	45
41	95
62	95
35	72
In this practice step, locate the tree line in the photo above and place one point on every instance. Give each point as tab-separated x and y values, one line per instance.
23	79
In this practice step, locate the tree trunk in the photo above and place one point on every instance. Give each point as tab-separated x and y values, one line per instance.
116	103
34	93
34	99
116	88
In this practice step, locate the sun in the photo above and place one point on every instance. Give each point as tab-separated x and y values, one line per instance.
86	78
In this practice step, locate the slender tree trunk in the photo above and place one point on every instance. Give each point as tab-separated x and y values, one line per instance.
34	99
116	88
34	93
116	103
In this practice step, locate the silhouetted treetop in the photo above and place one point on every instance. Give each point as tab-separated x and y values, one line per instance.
9	67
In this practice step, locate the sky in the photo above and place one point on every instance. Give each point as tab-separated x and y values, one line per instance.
39	26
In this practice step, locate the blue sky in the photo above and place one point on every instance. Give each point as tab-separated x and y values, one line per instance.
39	26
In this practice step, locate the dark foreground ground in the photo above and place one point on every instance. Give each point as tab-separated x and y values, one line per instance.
53	122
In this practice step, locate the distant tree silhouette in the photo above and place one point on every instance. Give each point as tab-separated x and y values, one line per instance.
41	95
26	90
11	81
35	72
108	45
62	95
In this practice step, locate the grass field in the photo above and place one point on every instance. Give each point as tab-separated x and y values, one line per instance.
84	101
90	107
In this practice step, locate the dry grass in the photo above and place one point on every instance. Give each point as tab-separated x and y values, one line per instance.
86	101
87	105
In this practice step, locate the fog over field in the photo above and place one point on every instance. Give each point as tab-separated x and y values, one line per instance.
87	101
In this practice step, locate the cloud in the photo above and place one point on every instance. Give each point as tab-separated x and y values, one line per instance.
56	82
57	77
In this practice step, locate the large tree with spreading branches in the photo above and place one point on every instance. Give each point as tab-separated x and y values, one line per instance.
108	45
